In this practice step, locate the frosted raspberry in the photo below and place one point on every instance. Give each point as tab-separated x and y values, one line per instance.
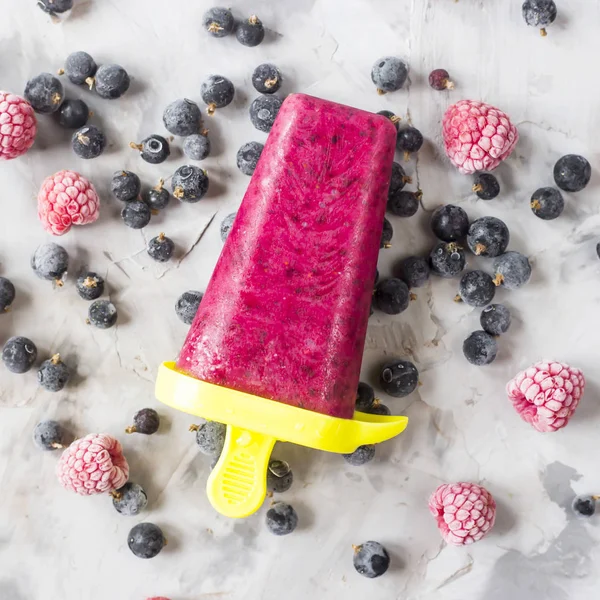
465	512
93	465
66	199
547	394
477	136
18	126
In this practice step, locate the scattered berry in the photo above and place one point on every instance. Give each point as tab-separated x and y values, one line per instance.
250	32
182	117
480	348
187	305
539	13
547	203
146	540
160	248
365	397
395	119
263	112
391	296
414	271
73	114
55	6
266	78
389	74
495	319
102	314
136	214
512	270
158	197
281	519
371	559
585	506
399	378
154	149
45	93
409	140
380	409
486	186
125	186
361	456
7	294
488	237
439	79
226	225
50	262
572	173
217	92
404	204
90	286
130	500
279	476
197	146
449	223
53	374
80	68
189	183
88	142
386	235
218	21
19	354
19	126
145	421
49	435
447	260
210	437
398	179
111	81
247	157
476	288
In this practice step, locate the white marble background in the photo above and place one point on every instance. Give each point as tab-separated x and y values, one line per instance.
57	545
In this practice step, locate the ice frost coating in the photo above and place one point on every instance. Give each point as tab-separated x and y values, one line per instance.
18	126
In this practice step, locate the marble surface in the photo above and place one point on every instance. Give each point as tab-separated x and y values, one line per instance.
56	545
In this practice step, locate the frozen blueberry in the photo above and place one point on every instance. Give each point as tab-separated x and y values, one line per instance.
189	183
539	13
380	409
476	288
395	119
161	247
486	186
217	92
145	421
90	286
197	146
281	519
495	319
80	67
398	179
263	111
130	500
49	435
250	32
88	142
158	197
547	203
371	559
386	235
409	140
210	437
480	348
53	374
361	456
73	114
45	93
279	476
136	214
112	81
182	117
389	74
447	260
226	225
102	314
585	506
218	21
154	149
414	271
187	305
572	173
19	354
512	270
146	540
266	78
55	6
403	203
391	296
488	237
125	186
7	294
399	378
449	223
365	397
439	79
247	157
50	261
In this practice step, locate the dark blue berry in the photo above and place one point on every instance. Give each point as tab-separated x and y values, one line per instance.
130	500
539	13
250	32
145	421
19	354
125	186
398	179
226	225
389	74
414	271
263	112
218	21
281	519
7	294
585	506
158	197
395	119
73	114
449	223
371	559
154	149
50	261
53	374
189	183
45	93
547	203
80	67
495	319
386	235
488	237
365	397
49	435
380	409
409	140
136	214
187	305
512	270
55	6
439	79
404	204
486	186
279	476
391	296
247	157
197	146
447	260
217	92
182	117
146	540
111	81
476	288
399	378
210	437
361	456
161	247
90	286
480	348
102	314
572	173
267	78
88	142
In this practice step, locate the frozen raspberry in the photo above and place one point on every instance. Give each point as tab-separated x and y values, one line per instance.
547	394
465	512
477	136
18	126
93	465
66	199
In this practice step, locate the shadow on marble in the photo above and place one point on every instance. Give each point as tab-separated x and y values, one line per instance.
213	125
505	517
589	408
216	187
306	517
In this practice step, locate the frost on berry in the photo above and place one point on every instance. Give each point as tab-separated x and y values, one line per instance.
18	126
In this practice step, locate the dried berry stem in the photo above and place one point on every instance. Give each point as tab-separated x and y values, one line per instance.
131	429
211	109
477	188
135	146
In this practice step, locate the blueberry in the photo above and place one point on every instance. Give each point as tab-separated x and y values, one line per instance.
88	142
539	13
371	559
488	237
154	149
512	270
439	79
226	225
187	305
281	519
380	409
447	260
197	146
414	271
247	157
395	119
409	140
495	319
389	74
125	186
90	286
486	186
585	506
279	476
112	81
130	500
19	354
361	456
404	204
263	112
365	397
449	223
547	203
53	374
391	296
572	173
210	437
158	197
266	78
80	67
480	348
182	117
7	294
102	314
217	92
476	288
73	114
145	421
218	21
386	235
55	6
49	435
50	261
146	540
136	214
398	179
161	247
189	183
45	93
250	32
399	378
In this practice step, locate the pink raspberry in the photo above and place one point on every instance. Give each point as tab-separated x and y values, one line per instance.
465	512
93	465
477	136
18	126
547	394
66	199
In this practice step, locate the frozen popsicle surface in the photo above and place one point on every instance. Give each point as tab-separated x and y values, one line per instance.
285	313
